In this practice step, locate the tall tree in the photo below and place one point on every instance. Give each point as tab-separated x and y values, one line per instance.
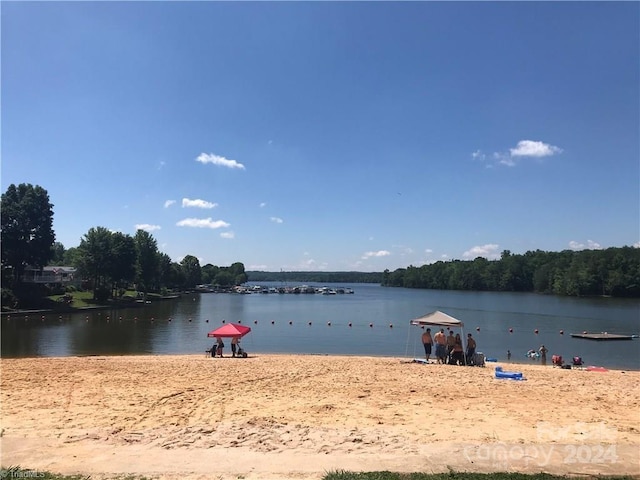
148	259
237	270
26	228
123	267
95	258
191	270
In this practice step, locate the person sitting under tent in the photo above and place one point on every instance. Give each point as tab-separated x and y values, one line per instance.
219	346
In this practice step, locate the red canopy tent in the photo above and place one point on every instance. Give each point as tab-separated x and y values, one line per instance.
229	330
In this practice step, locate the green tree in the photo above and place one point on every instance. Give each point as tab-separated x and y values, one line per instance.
148	259
237	270
95	260
122	268
57	254
164	271
191	271
26	229
209	273
224	278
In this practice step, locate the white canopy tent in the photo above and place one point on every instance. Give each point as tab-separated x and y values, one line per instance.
436	319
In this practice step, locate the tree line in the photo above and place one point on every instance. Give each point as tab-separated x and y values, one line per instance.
108	262
610	272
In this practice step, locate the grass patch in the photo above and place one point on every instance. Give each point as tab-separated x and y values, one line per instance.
9	473
80	299
344	475
24	473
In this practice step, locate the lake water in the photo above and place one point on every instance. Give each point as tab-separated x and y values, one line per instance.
319	324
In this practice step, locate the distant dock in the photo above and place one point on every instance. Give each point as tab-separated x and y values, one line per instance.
603	336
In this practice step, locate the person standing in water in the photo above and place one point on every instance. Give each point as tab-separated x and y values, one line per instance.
543	354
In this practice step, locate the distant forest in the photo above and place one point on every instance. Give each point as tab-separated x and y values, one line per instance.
611	272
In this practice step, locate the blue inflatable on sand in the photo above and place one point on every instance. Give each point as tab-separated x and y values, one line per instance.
508	375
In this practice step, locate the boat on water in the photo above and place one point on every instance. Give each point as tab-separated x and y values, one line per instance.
603	336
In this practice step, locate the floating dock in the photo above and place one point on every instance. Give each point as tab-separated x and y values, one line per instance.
603	336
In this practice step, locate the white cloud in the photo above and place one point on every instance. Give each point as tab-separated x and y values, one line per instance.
489	251
524	148
197	203
478	155
228	235
590	245
168	203
202	223
636	245
504	160
263	204
147	227
530	148
379	253
276	220
428	250
214	159
311	264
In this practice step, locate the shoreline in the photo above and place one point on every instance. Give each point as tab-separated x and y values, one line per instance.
510	364
275	416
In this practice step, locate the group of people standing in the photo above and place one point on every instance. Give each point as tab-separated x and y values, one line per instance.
449	348
217	348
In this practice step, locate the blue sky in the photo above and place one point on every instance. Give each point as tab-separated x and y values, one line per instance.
327	135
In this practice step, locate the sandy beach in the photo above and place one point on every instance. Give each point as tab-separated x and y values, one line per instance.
299	416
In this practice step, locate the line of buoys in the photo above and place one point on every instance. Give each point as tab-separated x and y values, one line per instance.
43	318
